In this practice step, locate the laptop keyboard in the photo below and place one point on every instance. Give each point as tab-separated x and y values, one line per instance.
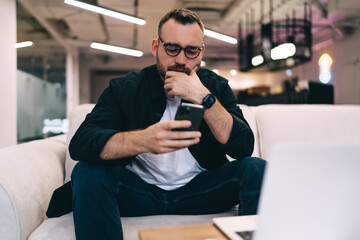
246	235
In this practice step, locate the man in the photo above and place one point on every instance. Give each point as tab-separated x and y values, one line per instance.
133	164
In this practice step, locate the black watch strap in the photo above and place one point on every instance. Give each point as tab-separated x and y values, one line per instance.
209	101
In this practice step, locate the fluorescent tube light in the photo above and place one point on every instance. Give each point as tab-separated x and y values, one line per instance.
283	51
257	60
23	44
107	12
220	36
116	49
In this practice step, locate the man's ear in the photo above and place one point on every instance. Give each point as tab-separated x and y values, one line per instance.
202	51
154	46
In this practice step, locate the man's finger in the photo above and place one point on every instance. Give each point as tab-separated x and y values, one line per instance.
195	69
181	135
177	124
179	144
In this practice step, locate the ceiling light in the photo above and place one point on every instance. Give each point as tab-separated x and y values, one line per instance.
23	44
290	62
283	51
325	62
257	60
220	36
107	12
289	72
233	72
116	49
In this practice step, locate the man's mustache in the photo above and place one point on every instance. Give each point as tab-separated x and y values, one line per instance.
180	69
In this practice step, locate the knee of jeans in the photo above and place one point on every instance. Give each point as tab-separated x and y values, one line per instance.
87	175
254	165
257	164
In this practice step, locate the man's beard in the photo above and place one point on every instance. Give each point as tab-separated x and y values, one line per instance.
177	68
160	68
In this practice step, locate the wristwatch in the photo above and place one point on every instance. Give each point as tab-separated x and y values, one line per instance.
208	101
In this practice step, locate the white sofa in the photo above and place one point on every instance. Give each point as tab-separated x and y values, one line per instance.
30	172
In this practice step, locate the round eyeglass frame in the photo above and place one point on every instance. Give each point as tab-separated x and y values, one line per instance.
180	49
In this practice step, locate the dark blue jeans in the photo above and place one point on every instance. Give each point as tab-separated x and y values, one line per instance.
101	194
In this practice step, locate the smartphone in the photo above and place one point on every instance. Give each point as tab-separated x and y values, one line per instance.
192	112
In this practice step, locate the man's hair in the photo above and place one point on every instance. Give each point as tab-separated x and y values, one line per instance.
183	16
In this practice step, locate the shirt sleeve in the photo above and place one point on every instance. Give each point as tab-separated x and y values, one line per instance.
241	141
102	123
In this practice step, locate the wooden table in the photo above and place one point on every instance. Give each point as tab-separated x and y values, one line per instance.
188	232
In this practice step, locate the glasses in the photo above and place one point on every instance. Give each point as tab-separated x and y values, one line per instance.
173	49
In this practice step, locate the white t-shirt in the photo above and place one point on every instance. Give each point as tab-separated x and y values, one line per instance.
168	171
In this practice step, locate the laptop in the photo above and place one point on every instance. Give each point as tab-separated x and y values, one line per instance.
309	192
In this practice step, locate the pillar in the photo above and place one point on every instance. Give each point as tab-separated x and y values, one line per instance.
8	79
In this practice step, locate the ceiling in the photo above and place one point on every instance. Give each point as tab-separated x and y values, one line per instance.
54	26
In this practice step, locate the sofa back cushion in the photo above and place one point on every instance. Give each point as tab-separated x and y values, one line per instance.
76	117
331	124
249	114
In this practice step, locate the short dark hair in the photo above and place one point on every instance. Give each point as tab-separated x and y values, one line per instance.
183	16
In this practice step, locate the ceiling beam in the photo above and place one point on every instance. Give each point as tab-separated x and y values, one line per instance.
49	26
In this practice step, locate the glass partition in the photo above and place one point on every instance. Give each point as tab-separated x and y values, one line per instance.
41	99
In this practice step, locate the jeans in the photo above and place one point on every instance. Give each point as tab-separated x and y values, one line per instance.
101	194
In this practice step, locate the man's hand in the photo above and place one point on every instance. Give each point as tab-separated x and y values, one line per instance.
190	88
159	138
187	87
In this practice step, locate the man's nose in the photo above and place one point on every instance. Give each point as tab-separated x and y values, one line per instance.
181	58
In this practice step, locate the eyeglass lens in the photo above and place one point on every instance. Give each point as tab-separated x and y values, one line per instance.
173	50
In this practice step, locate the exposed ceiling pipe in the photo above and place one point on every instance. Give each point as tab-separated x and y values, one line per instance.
234	10
318	4
261	12
103	25
135	32
104	28
239	8
271	11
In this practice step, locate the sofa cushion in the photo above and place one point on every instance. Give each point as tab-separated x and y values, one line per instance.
306	124
62	228
249	114
76	117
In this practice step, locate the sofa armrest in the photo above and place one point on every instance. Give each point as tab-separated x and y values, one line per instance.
29	173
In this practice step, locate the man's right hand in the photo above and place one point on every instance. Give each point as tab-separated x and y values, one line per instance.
160	137
157	138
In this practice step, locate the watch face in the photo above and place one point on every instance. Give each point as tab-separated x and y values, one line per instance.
209	101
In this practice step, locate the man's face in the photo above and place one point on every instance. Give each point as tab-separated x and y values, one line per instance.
184	36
